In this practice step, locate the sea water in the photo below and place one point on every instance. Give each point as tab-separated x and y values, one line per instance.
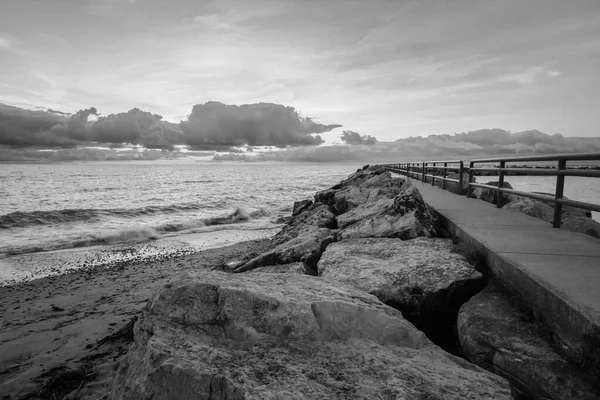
58	217
137	209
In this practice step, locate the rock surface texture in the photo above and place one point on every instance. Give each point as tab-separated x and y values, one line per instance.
497	336
369	203
220	336
489	195
423	278
573	219
294	268
406	216
304	239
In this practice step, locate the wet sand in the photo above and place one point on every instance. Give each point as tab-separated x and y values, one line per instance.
61	337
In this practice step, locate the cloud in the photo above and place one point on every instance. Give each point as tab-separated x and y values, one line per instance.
354	138
212	125
465	146
264	124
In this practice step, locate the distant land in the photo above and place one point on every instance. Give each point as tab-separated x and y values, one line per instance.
248	133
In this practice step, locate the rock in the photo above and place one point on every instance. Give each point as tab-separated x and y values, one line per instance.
405	217
496	335
303	239
531	207
328	196
381	186
567	210
582	224
491	196
294	268
284	220
423	278
314	217
282	336
300	206
306	247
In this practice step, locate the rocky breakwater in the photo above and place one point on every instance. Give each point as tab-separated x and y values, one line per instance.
496	334
278	333
573	219
423	278
214	335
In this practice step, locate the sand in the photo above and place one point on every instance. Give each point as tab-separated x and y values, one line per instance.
62	336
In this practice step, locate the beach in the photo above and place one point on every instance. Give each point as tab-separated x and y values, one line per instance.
56	330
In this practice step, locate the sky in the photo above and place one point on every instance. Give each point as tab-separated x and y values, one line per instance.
389	69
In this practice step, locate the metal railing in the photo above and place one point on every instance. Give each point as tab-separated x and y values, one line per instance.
561	171
424	170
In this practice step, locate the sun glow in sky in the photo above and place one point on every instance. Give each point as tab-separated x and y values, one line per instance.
389	69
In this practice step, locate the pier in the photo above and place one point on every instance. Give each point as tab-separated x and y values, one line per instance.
554	272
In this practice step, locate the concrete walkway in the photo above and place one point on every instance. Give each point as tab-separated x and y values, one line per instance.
556	272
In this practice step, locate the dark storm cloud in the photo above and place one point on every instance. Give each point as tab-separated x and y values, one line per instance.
264	124
213	126
465	146
355	138
24	128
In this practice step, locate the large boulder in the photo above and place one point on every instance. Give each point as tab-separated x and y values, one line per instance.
582	224
405	217
423	278
496	335
489	195
284	336
381	186
327	196
567	211
300	206
314	217
292	268
307	247
303	240
531	207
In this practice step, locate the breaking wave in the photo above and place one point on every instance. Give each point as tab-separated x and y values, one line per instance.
138	235
31	218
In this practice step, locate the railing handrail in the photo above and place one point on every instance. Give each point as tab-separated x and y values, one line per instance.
560	171
547	157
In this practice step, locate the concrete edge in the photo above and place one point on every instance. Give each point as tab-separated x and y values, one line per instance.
577	335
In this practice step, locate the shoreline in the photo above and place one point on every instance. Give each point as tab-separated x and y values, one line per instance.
56	328
38	265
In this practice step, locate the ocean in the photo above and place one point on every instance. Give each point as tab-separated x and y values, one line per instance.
59	217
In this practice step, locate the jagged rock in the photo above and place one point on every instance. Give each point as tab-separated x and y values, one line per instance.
381	186
294	268
582	224
497	336
405	217
314	217
531	207
423	278
303	239
327	196
306	247
491	196
300	206
283	336
567	211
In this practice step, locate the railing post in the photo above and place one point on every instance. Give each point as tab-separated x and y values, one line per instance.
433	174
500	199
460	177
445	176
423	170
560	187
470	188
